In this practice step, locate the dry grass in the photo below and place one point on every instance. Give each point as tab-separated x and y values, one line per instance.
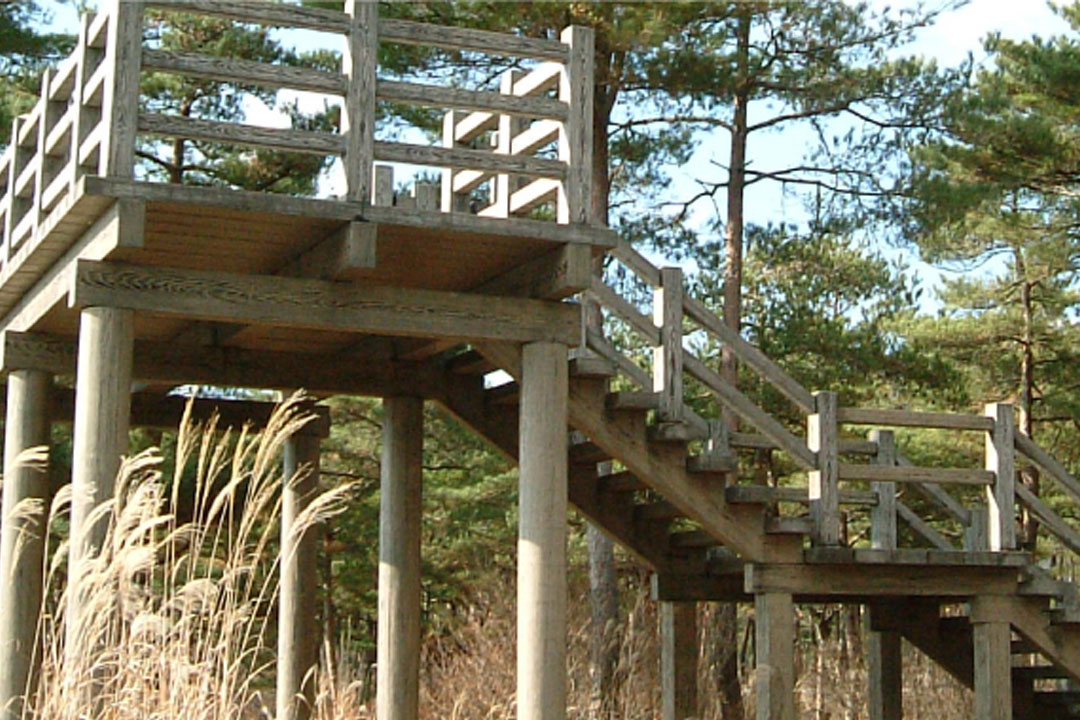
176	617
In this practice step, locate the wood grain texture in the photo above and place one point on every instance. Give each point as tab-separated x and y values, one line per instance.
774	675
262	13
458	99
1001	461
575	204
824	491
993	671
359	64
318	304
910	418
411	154
668	354
883	515
408	32
301	141
244	71
678	660
907	474
120	110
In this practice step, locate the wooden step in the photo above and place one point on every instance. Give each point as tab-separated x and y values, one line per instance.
619	482
470	362
1065	616
590	366
674	432
586	453
505	394
1057	699
1023	646
1038	672
788	525
692	539
656	511
712	463
632	400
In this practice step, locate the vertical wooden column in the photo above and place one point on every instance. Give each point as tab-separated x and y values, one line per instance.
22	541
102	412
298	633
1001	460
358	116
541	591
576	136
993	670
824	491
398	661
120	106
678	660
774	635
884	663
668	355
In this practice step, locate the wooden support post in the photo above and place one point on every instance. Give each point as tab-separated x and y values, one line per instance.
298	633
883	514
1001	460
358	116
993	671
19	158
824	492
22	537
398	662
86	116
541	591
668	355
976	535
120	106
576	133
678	660
774	677
102	410
885	670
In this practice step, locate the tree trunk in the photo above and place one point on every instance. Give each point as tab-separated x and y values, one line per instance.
603	635
1029	476
722	657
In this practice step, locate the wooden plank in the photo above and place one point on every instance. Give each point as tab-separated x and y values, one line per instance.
317	304
1001	462
774	676
940	496
301	141
752	356
350	249
227	69
839	581
668	353
469	100
359	64
262	13
1049	464
922	528
1051	520
883	515
946	476
120	110
767	495
575	204
754	415
993	671
678	660
624	309
411	154
408	32
561	273
823	488
911	418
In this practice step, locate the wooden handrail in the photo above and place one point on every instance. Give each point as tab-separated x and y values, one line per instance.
911	418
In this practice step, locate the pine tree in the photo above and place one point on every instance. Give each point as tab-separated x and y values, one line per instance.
24	52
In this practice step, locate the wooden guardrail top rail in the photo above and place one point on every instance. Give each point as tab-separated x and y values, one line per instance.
92	115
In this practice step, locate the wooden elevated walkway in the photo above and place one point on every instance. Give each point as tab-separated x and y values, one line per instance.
110	279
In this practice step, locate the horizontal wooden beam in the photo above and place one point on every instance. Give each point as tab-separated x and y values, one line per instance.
906	474
910	418
465	159
174	363
844	580
458	99
322	305
408	32
301	141
262	13
244	71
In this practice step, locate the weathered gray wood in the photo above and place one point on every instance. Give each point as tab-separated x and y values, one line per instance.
398	660
765	494
120	110
624	309
678	660
576	138
774	676
1001	461
668	354
318	304
383	192
84	117
842	580
263	13
606	350
824	491
351	248
458	99
410	154
22	535
911	418
1049	464
939	496
298	631
225	69
541	590
883	515
885	670
922	527
1051	520
993	671
359	63
750	412
408	32
563	272
907	474
976	531
100	438
756	359
301	141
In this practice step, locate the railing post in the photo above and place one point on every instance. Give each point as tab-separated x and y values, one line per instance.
451	201
358	116
86	117
824	492
1001	460
576	134
668	355
883	514
14	212
46	121
120	107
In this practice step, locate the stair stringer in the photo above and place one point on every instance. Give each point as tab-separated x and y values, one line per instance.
659	465
1028	616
